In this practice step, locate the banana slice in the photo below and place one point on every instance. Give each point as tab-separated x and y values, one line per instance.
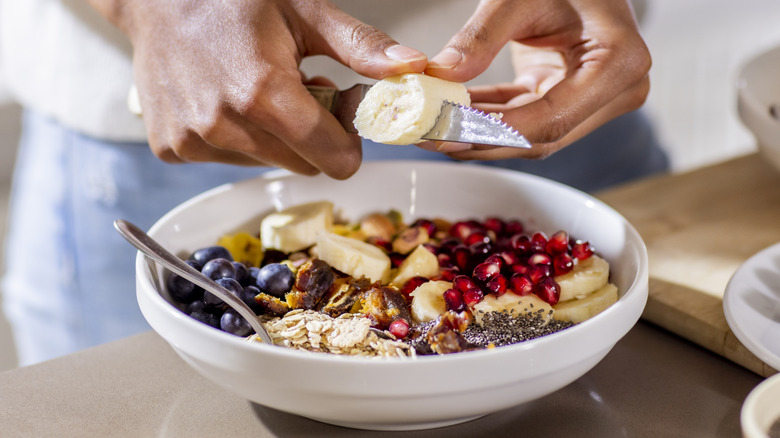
428	300
513	304
577	311
354	257
419	262
297	227
401	109
587	277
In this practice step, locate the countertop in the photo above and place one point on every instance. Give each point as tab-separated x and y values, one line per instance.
653	383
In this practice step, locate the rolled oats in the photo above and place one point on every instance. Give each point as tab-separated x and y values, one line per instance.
346	335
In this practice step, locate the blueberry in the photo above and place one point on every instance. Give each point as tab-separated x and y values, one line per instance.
200	312
219	268
183	290
235	324
275	279
248	296
203	255
242	273
233	286
252	274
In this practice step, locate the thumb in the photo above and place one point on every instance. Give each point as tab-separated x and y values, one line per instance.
473	48
365	49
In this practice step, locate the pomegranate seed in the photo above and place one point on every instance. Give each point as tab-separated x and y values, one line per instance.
461	256
481	250
521	284
521	243
496	259
539	258
558	243
396	259
486	271
496	225
445	260
454	300
581	250
461	230
537	273
399	328
513	227
473	296
412	284
448	244
510	258
447	274
463	283
429	226
497	285
539	242
520	268
563	263
548	290
386	245
476	237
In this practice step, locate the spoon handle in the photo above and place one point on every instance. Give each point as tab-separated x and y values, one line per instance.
155	251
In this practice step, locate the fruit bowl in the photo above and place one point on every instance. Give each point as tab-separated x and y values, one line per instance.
758	102
394	393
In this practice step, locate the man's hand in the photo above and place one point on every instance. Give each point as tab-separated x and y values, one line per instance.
219	80
578	64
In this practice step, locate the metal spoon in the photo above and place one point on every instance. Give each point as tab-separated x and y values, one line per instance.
154	250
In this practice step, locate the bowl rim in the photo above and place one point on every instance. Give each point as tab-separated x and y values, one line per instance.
637	291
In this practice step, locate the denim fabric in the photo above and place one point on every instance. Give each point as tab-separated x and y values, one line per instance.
69	280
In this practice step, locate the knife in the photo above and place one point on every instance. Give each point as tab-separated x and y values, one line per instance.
455	123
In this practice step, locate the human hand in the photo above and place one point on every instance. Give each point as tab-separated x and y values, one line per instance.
219	81
578	64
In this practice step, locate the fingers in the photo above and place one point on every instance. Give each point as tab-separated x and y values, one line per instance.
363	48
473	48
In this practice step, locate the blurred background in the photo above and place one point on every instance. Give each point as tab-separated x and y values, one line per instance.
698	47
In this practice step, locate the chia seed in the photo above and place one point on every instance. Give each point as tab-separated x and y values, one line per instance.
501	328
496	329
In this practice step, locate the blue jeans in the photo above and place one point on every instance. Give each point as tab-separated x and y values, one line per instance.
69	281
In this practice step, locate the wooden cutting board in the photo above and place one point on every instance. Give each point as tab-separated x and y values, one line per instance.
699	227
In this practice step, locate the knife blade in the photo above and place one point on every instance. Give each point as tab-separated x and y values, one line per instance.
456	123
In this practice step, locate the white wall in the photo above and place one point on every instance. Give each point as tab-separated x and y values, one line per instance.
698	47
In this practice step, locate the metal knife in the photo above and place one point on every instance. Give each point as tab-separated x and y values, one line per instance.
456	123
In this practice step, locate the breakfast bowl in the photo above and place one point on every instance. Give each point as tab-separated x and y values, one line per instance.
425	391
758	102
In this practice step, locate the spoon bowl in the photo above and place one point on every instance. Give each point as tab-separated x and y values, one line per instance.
144	243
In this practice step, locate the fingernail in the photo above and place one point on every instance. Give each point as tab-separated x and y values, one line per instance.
448	58
404	54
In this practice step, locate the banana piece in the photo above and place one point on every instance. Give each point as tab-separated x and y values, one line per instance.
577	311
297	227
401	109
512	304
419	262
588	276
428	300
354	257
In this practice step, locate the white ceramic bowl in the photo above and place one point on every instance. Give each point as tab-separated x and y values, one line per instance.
761	408
397	394
758	89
